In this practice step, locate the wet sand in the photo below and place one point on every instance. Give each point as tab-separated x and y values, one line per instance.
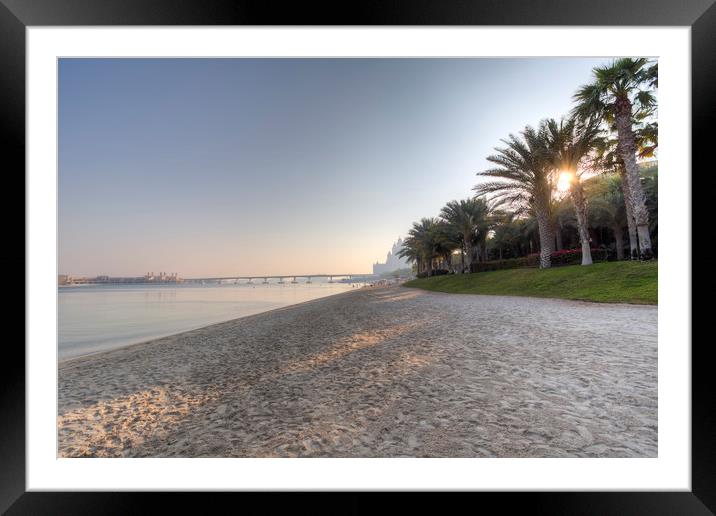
379	372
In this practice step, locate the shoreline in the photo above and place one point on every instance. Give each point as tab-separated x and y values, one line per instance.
377	372
64	362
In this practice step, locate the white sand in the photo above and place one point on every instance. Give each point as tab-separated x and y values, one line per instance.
382	372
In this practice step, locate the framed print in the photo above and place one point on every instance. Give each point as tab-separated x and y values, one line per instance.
414	248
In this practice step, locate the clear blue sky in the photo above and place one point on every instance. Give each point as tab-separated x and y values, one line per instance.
266	166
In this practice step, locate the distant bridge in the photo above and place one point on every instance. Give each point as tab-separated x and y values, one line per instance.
281	278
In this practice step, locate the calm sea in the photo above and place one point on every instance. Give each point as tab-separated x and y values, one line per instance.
93	318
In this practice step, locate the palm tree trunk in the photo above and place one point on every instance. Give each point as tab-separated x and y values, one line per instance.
467	258
580	207
619	239
627	152
558	236
631	226
546	235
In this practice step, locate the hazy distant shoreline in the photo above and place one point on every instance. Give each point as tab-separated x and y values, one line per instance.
98	318
377	372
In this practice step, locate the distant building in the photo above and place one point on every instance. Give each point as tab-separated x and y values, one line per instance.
393	262
63	279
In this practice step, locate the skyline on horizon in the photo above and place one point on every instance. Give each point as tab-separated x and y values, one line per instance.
218	167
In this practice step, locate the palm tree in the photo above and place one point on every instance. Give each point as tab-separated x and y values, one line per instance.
524	179
468	219
529	227
650	181
647	139
445	241
511	235
562	216
621	93
486	221
421	244
569	144
610	162
607	207
410	251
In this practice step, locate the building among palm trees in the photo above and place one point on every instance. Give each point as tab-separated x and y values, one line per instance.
392	261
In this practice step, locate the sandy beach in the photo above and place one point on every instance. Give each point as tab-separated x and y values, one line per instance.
377	372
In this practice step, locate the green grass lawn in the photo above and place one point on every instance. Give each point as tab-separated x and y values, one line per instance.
609	282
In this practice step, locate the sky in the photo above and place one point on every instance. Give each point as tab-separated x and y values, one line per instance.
219	167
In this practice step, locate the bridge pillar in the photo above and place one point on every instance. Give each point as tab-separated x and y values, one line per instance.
330	279
265	280
309	279
294	280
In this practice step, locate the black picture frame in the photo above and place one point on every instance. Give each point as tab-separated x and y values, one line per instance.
16	15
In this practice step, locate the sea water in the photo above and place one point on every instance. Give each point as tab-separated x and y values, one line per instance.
94	318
